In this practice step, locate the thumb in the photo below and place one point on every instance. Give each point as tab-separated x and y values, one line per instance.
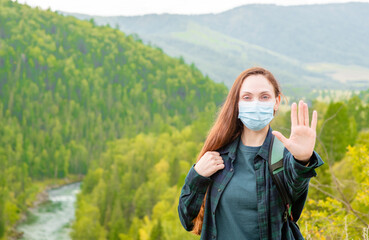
280	137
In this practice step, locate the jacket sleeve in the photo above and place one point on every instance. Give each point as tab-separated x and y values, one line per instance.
192	196
297	176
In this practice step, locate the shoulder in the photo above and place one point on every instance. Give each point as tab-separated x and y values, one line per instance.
231	146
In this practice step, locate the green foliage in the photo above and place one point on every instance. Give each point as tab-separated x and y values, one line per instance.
2	210
70	86
337	206
88	224
338	130
336	216
67	87
157	232
140	201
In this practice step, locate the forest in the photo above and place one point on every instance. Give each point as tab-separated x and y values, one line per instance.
81	99
67	87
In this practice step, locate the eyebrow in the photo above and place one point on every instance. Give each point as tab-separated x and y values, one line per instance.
260	92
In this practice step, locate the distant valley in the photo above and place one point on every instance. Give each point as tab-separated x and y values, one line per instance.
306	47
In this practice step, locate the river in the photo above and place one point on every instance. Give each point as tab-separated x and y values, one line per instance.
51	220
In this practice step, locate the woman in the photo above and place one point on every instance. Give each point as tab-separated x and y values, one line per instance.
229	192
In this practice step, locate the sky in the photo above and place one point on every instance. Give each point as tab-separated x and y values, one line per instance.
141	7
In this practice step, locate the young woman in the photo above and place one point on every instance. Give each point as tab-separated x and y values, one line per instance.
229	192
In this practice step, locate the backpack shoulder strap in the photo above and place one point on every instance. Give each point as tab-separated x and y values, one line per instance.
275	166
276	156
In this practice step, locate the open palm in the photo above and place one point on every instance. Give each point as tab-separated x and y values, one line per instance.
302	139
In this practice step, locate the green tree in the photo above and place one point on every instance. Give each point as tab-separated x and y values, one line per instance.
157	232
336	133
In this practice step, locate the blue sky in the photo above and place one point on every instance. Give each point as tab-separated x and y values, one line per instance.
140	7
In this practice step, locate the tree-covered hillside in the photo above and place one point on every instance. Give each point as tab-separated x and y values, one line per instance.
322	46
68	86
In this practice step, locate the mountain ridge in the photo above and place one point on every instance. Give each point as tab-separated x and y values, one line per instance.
308	34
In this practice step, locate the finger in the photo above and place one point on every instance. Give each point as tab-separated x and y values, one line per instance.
301	113
314	120
294	114
215	153
219	162
280	136
220	166
217	158
306	114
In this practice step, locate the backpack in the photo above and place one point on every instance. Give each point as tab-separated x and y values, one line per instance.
292	210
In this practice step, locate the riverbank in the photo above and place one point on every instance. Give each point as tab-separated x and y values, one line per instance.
40	196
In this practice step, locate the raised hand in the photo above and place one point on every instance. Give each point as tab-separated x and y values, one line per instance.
302	139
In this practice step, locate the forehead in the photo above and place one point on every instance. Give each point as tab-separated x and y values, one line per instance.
256	84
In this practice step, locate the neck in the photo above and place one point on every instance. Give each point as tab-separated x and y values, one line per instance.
254	138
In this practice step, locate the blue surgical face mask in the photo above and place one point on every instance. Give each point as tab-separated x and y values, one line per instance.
255	114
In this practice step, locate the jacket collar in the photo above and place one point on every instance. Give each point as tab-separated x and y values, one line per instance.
231	148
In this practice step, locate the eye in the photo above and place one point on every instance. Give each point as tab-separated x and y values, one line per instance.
247	98
265	97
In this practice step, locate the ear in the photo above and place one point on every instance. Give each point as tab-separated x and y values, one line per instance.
277	102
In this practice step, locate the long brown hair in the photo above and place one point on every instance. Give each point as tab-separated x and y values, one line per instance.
227	126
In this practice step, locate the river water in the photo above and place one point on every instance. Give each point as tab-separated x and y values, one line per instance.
52	219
